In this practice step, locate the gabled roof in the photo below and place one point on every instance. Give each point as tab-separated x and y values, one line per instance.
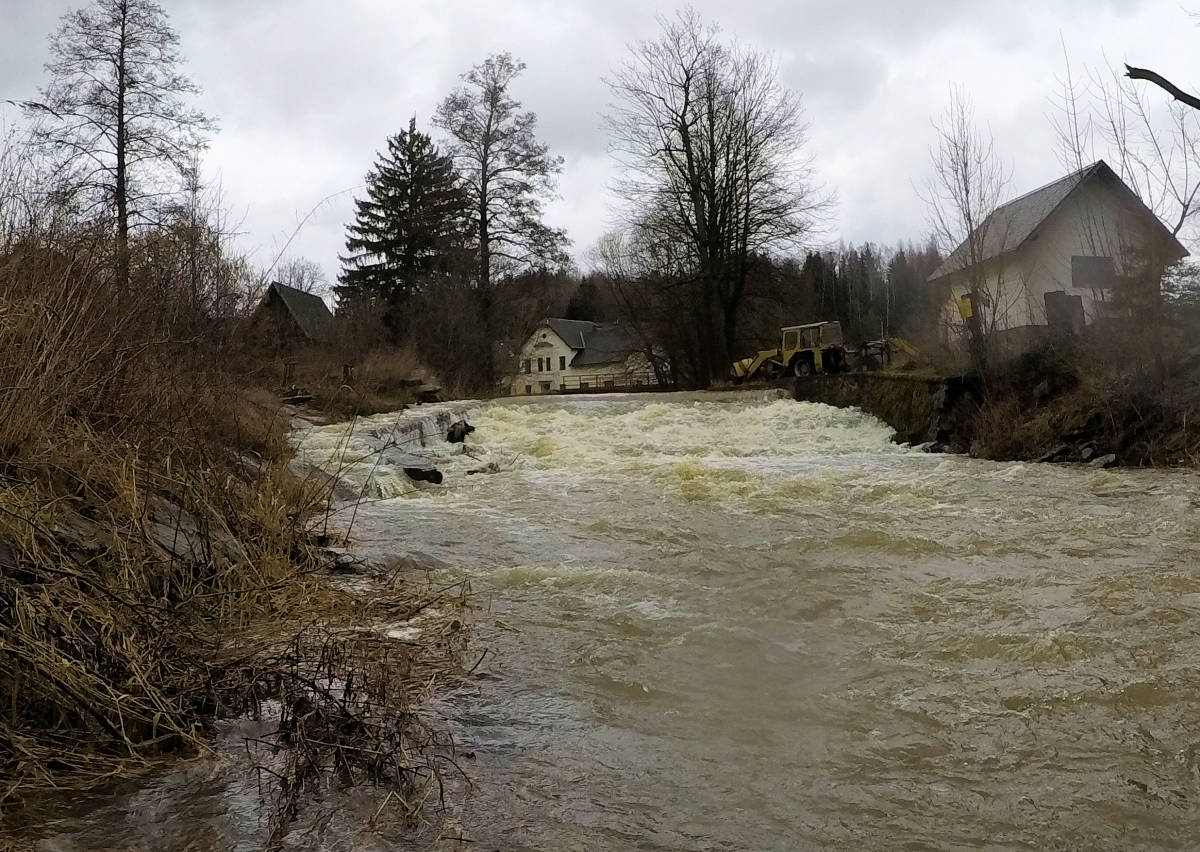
573	332
308	310
606	345
1010	225
594	343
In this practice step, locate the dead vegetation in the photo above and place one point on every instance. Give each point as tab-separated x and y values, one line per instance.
1113	396
158	565
379	379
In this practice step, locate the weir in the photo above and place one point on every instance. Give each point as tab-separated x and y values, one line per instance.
383	454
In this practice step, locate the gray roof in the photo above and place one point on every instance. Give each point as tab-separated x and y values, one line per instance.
594	343
308	310
1011	224
573	332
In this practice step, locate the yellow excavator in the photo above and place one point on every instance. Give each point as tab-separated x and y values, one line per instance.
818	347
804	350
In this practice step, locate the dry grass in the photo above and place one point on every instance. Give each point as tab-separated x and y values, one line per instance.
1126	395
384	379
157	567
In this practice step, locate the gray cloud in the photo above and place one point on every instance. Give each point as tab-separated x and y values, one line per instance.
306	91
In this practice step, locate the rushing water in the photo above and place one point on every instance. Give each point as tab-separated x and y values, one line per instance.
726	622
733	623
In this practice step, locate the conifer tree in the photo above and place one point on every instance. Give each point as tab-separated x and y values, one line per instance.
410	230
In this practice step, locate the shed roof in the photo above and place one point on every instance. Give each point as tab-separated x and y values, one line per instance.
308	310
1011	224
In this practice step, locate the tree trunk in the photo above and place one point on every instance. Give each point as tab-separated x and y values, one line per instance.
729	337
121	187
485	254
977	345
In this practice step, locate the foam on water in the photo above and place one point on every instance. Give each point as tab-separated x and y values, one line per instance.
704	448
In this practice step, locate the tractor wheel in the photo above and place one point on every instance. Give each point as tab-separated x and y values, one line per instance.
802	367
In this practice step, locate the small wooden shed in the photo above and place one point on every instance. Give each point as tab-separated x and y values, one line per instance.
287	316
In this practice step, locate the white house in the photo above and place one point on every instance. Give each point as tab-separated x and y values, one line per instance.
1078	249
563	355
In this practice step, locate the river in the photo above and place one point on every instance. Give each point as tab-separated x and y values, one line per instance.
724	622
739	622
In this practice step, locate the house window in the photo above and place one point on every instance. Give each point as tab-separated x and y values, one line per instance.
562	362
527	366
528	390
1092	273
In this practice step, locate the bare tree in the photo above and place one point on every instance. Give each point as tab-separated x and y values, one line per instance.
115	110
712	150
642	276
967	186
303	274
1156	151
506	171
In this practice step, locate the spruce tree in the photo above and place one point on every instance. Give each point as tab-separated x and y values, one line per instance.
410	230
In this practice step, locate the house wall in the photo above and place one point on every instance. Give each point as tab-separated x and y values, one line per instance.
545	344
1094	221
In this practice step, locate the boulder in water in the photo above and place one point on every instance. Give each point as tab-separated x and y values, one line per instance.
458	432
424	474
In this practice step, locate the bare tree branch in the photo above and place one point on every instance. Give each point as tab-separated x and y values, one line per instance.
1164	84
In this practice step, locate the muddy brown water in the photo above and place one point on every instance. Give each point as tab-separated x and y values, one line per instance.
720	622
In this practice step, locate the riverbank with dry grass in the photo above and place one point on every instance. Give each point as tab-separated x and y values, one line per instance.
145	603
163	566
1070	405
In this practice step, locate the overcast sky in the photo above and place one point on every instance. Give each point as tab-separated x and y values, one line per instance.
306	91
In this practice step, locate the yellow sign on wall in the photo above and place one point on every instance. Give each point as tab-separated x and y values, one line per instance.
964	307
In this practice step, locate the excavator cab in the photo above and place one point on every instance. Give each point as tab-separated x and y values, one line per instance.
813	348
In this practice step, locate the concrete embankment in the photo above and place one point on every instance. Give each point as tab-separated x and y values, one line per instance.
920	408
